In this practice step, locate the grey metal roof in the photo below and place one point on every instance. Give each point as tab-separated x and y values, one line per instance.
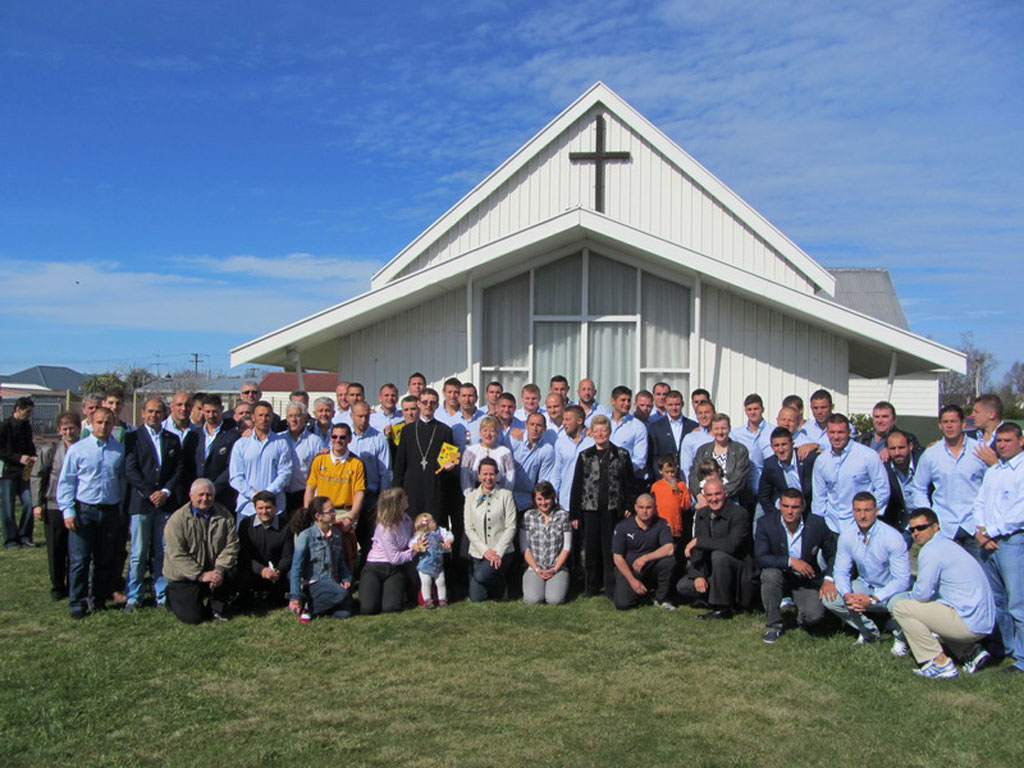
869	290
56	377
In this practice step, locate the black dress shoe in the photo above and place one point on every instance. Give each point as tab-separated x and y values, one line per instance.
28	543
721	613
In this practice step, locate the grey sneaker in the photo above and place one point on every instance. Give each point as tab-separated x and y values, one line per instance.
664	606
935	671
975	659
863	639
131	607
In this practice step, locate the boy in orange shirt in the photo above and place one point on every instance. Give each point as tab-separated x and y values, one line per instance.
674	505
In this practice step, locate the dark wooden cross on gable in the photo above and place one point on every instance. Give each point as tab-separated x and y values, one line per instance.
598	157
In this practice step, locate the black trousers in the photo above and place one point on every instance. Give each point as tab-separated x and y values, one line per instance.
251	586
383	587
56	552
598	528
775	584
723	583
188	599
656	575
366	523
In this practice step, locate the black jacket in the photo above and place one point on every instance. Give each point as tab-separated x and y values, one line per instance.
661	442
259	546
773	481
145	475
729	532
603	482
771	548
15	442
896	513
214	467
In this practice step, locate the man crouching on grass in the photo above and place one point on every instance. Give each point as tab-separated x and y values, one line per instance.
643	554
201	547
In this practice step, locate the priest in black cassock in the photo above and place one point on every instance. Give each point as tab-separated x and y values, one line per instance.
429	487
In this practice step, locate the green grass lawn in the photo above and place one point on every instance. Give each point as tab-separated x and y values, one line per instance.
471	685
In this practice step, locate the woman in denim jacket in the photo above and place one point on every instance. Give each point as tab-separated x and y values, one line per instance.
320	575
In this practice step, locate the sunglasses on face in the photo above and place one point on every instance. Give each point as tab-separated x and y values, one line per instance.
919	528
250	391
339	437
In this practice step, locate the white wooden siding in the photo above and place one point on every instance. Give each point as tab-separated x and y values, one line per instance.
915	394
748	348
648	193
430	338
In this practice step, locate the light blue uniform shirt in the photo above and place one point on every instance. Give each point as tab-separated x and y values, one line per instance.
442	415
882	561
948	574
171	427
379	420
522	415
694	440
532	465
92	473
795	541
598	409
1000	503
260	466
304	450
504	435
372	449
324	434
631	435
566	451
836	479
466	429
957	482
758	445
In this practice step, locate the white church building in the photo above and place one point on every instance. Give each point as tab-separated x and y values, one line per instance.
602	249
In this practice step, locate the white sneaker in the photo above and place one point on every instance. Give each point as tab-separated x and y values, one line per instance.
787	604
863	639
946	671
899	644
664	606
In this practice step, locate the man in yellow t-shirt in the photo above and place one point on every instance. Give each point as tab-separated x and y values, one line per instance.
339	476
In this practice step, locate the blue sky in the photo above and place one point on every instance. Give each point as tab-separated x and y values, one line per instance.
182	177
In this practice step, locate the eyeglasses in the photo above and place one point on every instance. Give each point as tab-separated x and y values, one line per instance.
919	528
429	403
250	391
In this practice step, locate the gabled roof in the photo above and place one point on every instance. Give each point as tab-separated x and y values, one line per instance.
55	377
870	290
581	225
600	93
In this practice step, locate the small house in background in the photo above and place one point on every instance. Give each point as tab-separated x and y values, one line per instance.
278	386
58	378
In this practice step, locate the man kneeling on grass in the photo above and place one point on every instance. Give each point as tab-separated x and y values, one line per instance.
643	554
883	571
786	547
201	548
951	603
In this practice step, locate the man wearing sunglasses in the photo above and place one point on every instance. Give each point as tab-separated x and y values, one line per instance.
951	603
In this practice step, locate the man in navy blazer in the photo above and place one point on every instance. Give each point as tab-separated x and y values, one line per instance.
665	435
783	470
786	548
208	452
153	467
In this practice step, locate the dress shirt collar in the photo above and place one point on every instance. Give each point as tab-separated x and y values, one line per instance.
339	459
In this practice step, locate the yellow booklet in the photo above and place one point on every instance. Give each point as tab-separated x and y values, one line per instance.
396	431
448	453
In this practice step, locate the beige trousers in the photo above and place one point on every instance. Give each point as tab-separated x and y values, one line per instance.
919	620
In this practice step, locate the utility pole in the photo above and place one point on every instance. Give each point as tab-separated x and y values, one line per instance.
195	361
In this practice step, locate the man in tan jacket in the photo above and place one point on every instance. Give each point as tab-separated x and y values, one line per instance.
201	548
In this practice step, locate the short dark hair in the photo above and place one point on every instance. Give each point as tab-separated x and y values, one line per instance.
991	401
487	462
1010	427
793	401
793	493
621	390
113	392
451	381
410	399
430	391
700	391
926	513
754	399
69	416
197	397
674	393
299	393
781	432
24	402
821	394
507	396
838	418
389	385
885	405
342	425
577	411
417	375
866	496
213	399
544	489
952	408
468	385
668	460
560	379
263	404
264	496
356	385
495	384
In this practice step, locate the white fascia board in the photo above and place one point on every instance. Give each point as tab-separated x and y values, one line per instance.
600	93
330	322
818	310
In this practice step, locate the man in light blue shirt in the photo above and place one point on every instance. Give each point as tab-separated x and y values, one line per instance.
628	432
305	447
568	447
372	448
883	570
90	490
260	462
705	411
956	473
951	603
844	470
323	419
510	429
387	413
554	411
448	413
530	398
466	426
179	420
754	435
534	460
999	515
587	393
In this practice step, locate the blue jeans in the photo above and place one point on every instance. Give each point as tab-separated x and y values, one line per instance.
147	536
1005	570
10	489
326	597
857	620
92	544
486	581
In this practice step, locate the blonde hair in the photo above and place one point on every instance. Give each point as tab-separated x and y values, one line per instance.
391	507
423	522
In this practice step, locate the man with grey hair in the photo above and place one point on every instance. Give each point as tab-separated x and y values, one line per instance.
305	446
201	550
323	418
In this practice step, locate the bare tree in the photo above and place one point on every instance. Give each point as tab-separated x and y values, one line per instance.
960	388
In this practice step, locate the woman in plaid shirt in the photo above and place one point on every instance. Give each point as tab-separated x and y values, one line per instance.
545	539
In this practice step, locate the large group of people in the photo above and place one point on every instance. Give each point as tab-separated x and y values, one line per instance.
337	508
